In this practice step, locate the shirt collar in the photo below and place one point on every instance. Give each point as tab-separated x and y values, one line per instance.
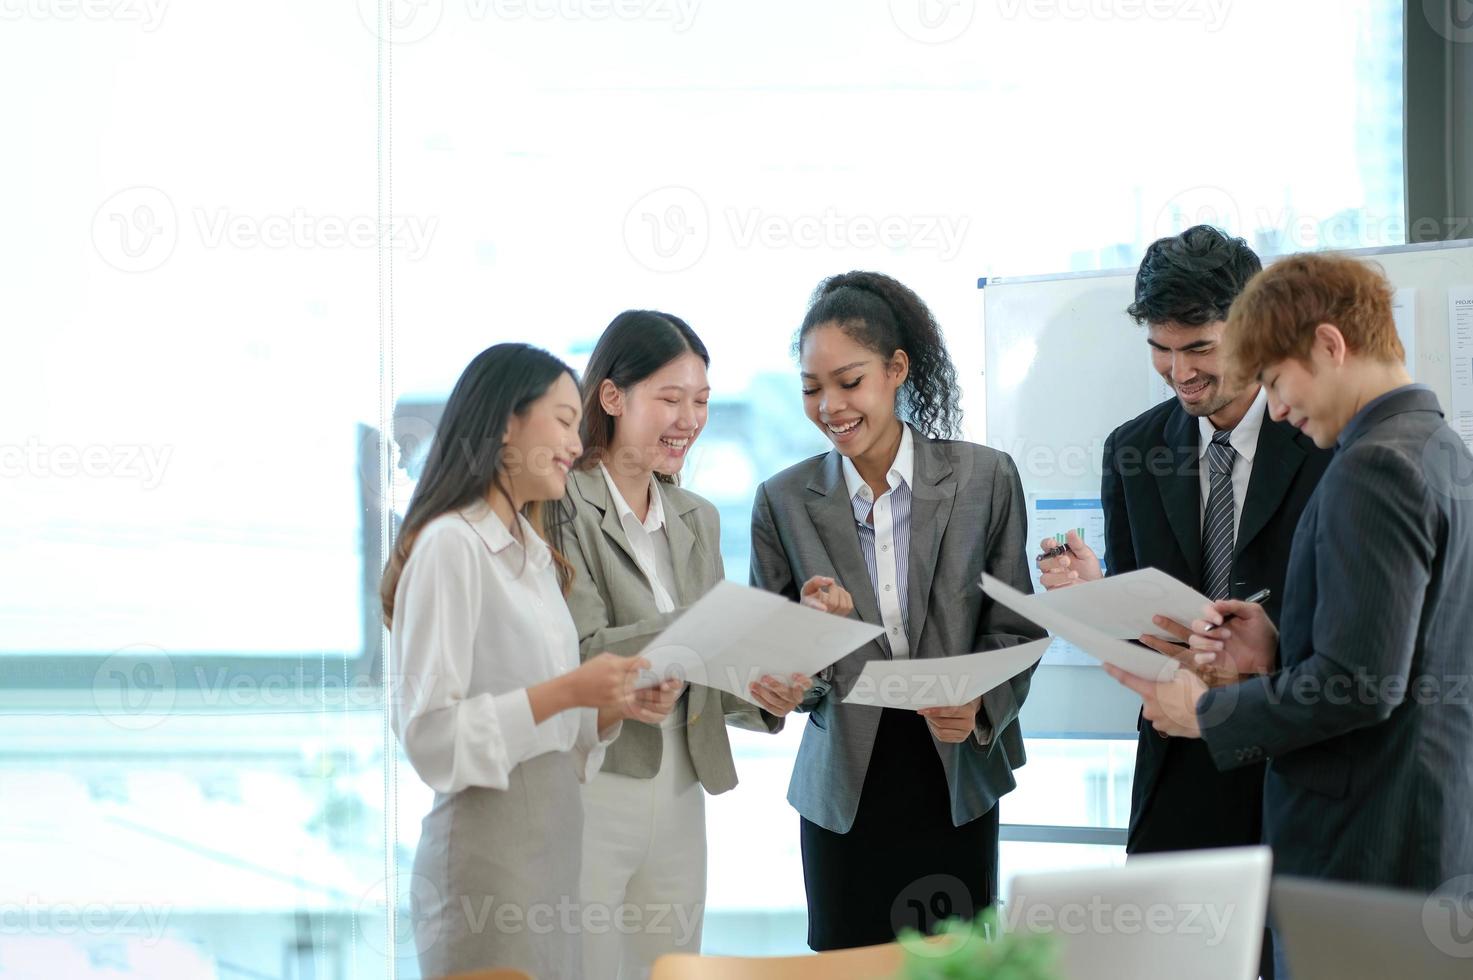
1244	439
654	518
901	471
490	529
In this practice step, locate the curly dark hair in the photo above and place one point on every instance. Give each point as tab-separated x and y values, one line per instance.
1192	278
885	315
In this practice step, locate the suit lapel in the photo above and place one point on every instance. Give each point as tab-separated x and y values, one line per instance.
1181	491
930	508
595	490
833	518
1275	462
682	548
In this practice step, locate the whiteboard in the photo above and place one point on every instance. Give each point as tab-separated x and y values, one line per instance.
1065	366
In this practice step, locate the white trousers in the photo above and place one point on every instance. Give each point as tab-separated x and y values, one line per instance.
644	866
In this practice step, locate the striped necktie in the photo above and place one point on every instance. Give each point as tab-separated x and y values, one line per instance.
1217	524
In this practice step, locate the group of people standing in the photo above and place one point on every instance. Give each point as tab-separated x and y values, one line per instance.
548	542
1334	719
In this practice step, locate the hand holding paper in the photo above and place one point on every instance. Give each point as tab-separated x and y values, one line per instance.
950	724
1169	705
1124	606
779	696
736	635
1101	645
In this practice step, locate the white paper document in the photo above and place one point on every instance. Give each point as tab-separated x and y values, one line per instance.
941	682
1122	605
1460	350
735	635
1137	660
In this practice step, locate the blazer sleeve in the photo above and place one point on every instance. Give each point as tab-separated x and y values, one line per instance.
1119	553
1366	619
998	626
772	571
591	613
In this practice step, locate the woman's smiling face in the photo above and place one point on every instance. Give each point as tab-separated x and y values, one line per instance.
848	389
659	418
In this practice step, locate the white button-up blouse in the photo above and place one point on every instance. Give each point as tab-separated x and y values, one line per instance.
478	619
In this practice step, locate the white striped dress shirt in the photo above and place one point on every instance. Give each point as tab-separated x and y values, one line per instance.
883	525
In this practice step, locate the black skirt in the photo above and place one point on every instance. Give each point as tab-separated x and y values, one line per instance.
903	863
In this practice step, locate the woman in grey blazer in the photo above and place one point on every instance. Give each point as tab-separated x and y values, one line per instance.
642	549
898	809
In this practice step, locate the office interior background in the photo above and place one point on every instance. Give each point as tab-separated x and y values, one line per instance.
250	248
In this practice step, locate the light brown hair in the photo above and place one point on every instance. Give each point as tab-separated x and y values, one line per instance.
1275	317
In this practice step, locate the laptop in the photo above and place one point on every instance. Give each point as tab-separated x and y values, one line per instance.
1338	931
1196	914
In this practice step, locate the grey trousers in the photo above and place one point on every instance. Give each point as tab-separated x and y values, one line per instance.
496	876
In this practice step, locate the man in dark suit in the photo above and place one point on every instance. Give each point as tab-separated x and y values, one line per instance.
1159	473
1207	489
1361	703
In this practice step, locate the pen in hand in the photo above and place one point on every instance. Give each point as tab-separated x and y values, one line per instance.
1054	552
1256	598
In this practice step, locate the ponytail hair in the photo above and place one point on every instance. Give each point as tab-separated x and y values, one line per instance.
884	315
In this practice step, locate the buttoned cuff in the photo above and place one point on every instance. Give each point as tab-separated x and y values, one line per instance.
1225	751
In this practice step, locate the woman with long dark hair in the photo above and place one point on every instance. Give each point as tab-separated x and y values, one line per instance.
491	705
643	549
898	808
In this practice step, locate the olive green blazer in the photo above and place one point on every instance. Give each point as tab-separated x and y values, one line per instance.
614	609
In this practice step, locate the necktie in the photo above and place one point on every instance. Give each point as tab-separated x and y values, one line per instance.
1217	524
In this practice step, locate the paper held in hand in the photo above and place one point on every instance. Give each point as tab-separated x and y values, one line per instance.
941	682
1138	660
1122	605
734	635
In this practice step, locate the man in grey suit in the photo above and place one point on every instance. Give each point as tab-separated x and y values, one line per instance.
1361	704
